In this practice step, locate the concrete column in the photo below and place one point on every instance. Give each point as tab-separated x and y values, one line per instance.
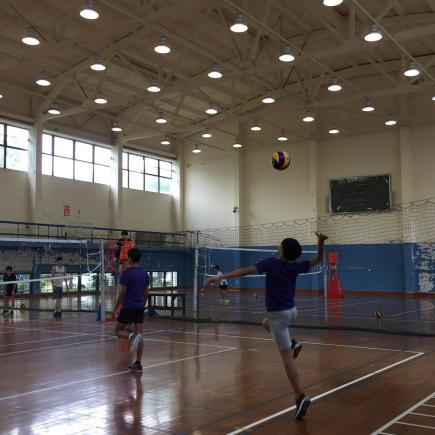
35	172
179	194
313	176
242	217
116	191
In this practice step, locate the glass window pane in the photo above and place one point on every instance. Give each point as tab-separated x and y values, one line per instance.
135	163
151	183
168	279
16	159
166	169
2	157
124	161
83	151
102	174
47	147
17	137
103	156
135	180
174	279
63	168
83	171
165	185
63	147
125	179
2	130
151	166
47	164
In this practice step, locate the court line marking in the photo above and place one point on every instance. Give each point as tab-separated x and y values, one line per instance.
414	311
45	330
188	342
424	415
56	347
403	414
95	378
326	393
432	406
415	425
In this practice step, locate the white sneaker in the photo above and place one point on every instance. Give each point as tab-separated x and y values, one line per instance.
135	340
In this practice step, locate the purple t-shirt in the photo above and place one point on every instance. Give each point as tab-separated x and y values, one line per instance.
136	280
281	281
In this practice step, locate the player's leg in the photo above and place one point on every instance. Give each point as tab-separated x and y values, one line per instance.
265	324
138	329
5	303
124	330
13	296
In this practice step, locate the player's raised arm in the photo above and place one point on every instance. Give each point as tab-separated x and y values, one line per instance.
233	274
320	249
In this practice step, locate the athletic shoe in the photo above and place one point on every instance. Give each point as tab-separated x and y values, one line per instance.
302	404
56	314
11	313
296	347
136	367
226	301
5	313
135	340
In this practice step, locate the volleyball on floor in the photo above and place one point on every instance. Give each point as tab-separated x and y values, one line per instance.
280	160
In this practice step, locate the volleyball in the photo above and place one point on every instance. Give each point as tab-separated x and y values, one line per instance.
280	160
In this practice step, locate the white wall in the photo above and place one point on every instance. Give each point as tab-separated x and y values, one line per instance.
13	188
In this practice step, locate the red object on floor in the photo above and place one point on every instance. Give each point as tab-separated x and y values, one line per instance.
334	285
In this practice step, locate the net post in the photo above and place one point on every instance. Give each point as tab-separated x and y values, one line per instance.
102	283
325	277
195	277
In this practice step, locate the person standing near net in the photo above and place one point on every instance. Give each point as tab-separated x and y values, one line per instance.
58	277
134	284
222	284
10	291
281	274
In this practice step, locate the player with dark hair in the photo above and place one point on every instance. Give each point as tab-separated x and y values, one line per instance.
10	291
281	274
58	274
134	284
222	284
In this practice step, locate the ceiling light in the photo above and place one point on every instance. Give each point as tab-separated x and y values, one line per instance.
30	37
286	55
196	150
161	119
54	109
335	85
1	96
116	127
89	12
153	86
207	133
268	99
211	109
215	72
100	98
239	25
368	107
308	117
42	80
433	98
332	3
411	70
391	120
333	130
162	46
283	136
237	143
374	34
255	125
98	64
166	140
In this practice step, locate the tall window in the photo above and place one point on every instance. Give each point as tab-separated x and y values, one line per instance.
145	173
75	160
14	146
163	279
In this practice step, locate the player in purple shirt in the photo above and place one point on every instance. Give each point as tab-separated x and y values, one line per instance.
134	284
281	274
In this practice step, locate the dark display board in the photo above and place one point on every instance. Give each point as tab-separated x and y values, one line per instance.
361	194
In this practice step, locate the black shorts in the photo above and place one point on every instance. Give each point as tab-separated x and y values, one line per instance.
57	292
131	315
9	291
223	286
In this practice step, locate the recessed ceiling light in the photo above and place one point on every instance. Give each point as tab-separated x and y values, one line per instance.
374	34
100	98
391	120
162	46
308	117
89	12
30	37
215	72
333	130
166	140
239	25
268	98
98	64
115	127
286	55
411	70
211	109
237	143
54	109
42	80
335	85
255	125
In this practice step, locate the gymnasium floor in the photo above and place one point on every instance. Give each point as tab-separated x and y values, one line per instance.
70	377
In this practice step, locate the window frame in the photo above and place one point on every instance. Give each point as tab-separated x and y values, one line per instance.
6	146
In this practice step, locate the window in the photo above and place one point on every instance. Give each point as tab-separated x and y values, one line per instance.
146	173
67	158
163	279
14	147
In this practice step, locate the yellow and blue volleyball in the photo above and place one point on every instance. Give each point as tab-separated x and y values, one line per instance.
280	160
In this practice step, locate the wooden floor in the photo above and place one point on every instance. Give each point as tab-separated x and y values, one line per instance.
70	377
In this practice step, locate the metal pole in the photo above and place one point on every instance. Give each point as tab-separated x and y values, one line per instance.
195	277
102	283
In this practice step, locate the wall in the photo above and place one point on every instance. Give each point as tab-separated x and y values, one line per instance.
13	188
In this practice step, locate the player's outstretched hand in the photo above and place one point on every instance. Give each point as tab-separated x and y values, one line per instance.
322	237
211	280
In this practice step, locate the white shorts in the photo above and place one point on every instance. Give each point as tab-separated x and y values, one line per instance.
279	323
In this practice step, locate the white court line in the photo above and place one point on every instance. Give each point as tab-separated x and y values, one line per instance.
56	347
415	425
326	393
414	311
403	414
188	342
424	415
432	406
36	341
44	330
95	378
